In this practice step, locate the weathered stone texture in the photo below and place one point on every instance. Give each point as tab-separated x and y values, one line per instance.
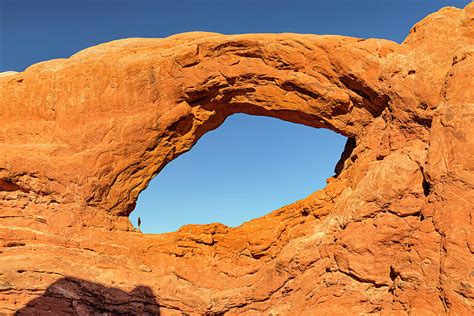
392	232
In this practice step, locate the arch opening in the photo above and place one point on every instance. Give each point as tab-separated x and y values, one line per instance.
246	168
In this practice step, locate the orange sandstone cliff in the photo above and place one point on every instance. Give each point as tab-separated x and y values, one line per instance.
392	233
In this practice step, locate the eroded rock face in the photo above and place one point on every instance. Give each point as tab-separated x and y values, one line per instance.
391	232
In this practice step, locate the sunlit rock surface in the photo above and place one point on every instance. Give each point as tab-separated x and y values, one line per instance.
392	232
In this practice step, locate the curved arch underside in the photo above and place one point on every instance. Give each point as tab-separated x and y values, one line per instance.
82	137
142	102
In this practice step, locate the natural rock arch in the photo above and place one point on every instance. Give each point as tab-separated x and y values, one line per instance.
83	136
165	100
242	170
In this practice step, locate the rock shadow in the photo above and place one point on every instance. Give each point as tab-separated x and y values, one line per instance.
72	296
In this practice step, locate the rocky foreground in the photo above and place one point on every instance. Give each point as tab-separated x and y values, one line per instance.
392	233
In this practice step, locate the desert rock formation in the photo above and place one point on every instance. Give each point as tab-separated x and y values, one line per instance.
392	232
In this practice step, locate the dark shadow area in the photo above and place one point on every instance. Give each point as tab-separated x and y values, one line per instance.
346	154
72	296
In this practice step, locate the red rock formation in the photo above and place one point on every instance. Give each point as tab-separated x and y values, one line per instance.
391	232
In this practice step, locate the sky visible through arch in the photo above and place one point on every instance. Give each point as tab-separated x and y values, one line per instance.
244	169
250	165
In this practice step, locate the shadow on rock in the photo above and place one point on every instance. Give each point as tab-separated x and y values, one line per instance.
79	297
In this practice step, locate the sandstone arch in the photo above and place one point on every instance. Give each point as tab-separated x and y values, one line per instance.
186	87
83	136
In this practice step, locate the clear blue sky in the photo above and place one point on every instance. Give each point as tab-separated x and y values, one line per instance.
250	165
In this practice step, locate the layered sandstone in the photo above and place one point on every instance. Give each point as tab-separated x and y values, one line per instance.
391	233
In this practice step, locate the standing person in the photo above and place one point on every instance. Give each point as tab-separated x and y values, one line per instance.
139	222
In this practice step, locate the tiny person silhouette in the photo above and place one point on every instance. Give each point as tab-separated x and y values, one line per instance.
139	222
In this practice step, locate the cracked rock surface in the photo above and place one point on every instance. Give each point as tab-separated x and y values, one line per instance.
392	233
